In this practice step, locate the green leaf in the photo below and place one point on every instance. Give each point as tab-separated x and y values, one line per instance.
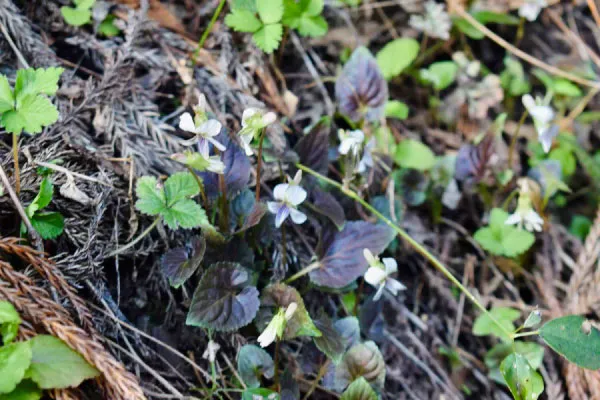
260	394
7	100
26	390
304	16
55	366
359	390
253	362
580	226
362	360
185	213
15	358
224	299
33	112
522	380
270	11
151	200
76	16
249	5
565	157
533	352
242	21
49	224
395	56
533	319
9	322
108	27
42	199
280	296
312	26
414	154
440	74
486	17
37	81
574	338
566	88
396	109
484	325
465	27
180	186
516	241
501	239
84	4
268	37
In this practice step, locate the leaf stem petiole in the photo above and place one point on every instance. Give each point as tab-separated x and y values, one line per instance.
137	239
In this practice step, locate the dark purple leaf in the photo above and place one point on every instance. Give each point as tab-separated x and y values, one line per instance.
343	260
371	319
472	161
237	170
361	90
313	148
258	211
224	299
179	264
349	329
278	296
331	342
324	203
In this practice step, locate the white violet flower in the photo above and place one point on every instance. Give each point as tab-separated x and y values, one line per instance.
200	125
525	215
367	159
253	120
350	141
434	22
288	197
378	274
542	115
277	325
530	9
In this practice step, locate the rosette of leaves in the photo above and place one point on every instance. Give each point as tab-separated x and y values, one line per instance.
361	90
27	107
305	17
48	224
501	239
362	360
172	201
224	299
262	18
180	263
341	258
280	296
412	185
253	363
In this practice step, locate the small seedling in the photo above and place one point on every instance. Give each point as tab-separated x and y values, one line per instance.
48	224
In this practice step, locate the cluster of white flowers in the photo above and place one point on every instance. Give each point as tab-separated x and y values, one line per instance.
378	274
542	115
288	197
434	22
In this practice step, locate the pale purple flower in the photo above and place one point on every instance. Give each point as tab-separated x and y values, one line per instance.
378	274
542	115
288	197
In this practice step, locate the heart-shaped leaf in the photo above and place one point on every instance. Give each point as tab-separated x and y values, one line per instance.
361	90
313	147
363	359
574	338
331	342
342	260
54	365
224	299
324	203
522	380
179	264
359	390
253	362
279	295
9	322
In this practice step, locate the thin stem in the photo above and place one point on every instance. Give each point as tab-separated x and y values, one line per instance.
208	30
137	239
259	164
200	186
314	384
518	335
303	272
223	205
513	141
15	148
276	364
416	245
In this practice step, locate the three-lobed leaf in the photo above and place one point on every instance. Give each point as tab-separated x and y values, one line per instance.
56	366
574	338
522	380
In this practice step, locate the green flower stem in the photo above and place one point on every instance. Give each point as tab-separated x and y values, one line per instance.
518	335
303	272
15	148
137	239
259	163
416	245
208	30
